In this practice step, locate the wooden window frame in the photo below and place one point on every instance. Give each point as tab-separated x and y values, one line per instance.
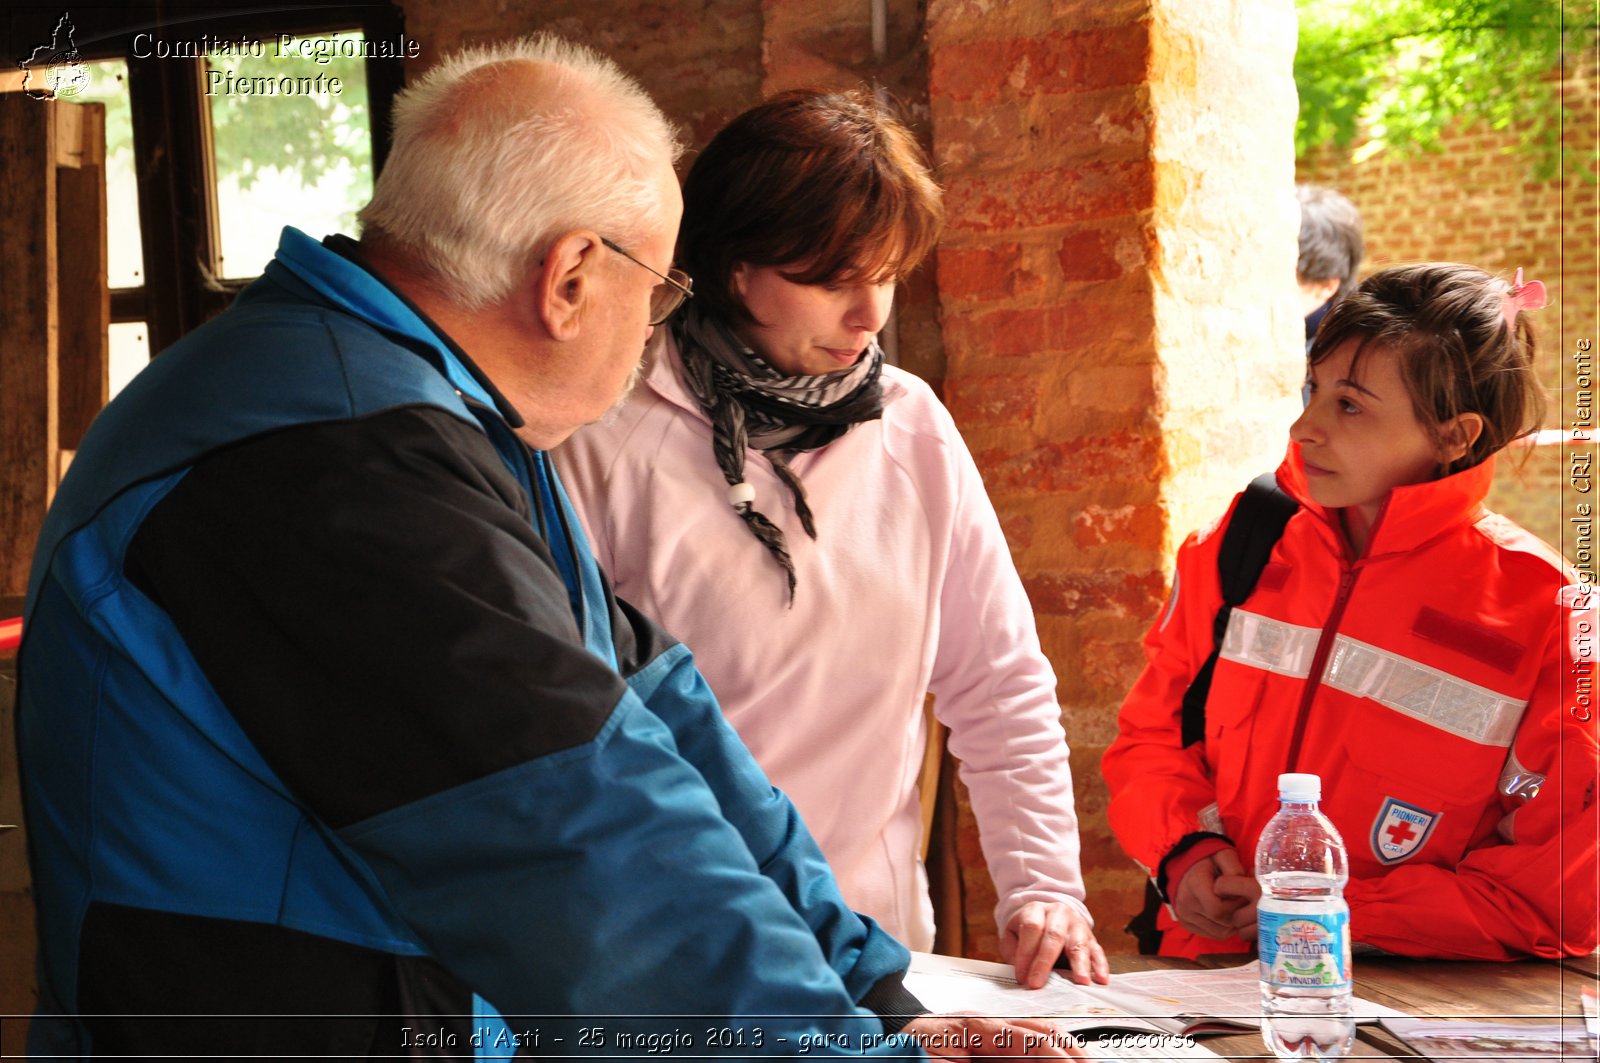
173	161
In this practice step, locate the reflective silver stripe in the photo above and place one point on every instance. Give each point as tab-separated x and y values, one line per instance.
1423	693
1272	645
1518	781
1211	818
1427	694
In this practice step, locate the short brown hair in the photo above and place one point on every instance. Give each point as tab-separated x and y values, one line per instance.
829	180
1446	324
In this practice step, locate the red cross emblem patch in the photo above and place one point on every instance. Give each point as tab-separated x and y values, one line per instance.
1400	830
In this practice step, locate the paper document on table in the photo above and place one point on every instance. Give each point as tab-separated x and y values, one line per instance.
1451	1039
1591	1017
1168	1001
948	984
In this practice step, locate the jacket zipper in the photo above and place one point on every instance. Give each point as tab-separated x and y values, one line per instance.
1349	570
1319	660
525	461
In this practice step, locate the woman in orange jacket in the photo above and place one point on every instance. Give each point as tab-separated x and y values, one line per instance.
1432	661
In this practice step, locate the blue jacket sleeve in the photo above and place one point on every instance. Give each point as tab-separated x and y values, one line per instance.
870	961
611	885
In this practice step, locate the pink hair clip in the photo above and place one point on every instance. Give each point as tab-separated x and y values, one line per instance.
1520	296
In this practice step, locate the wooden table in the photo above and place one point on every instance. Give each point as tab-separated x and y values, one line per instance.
1541	991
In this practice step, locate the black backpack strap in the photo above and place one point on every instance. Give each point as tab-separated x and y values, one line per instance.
1143	926
1254	529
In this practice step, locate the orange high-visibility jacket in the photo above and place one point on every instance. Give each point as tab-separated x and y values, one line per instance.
1442	686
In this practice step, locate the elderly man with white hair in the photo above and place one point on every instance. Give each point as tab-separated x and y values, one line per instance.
334	741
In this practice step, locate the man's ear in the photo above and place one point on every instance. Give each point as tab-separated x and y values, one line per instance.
563	282
1316	292
1458	434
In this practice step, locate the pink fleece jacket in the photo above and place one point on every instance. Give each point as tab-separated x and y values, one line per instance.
909	587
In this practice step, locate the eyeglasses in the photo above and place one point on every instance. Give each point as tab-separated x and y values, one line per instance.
667	296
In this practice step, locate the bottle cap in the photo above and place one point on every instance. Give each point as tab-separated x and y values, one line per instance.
1299	786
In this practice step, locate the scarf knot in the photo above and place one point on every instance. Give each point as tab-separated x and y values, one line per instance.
753	406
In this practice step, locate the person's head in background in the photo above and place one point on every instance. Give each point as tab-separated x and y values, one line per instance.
529	207
1331	249
800	217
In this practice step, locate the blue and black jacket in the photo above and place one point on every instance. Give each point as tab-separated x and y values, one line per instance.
330	727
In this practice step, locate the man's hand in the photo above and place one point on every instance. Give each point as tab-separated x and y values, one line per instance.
1216	899
976	1036
1040	932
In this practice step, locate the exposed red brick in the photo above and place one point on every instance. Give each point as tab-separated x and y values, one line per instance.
803	36
1060	327
1010	333
1089	255
982	273
1112	665
1134	595
1100	126
997	398
1057	196
1134	525
986	71
1072	465
1018	531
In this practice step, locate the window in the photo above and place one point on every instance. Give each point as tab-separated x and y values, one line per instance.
295	157
220	131
108	85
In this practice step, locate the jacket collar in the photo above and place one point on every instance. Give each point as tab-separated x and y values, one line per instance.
1411	516
334	269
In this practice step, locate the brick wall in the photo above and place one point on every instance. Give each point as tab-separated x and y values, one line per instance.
1110	375
1043	133
1476	201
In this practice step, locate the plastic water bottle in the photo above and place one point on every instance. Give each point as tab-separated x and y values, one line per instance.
1303	928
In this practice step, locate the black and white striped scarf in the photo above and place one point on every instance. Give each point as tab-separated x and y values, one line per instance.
753	405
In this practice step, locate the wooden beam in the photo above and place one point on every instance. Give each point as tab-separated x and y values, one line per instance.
68	136
85	299
385	79
29	441
177	223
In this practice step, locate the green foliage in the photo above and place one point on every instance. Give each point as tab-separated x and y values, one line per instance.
308	134
108	84
1401	71
311	135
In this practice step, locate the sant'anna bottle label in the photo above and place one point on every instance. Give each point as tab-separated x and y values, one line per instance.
1301	949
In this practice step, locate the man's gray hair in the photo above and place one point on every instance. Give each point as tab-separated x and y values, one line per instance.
1331	243
478	184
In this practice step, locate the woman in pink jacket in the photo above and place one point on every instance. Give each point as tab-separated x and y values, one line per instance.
807	519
